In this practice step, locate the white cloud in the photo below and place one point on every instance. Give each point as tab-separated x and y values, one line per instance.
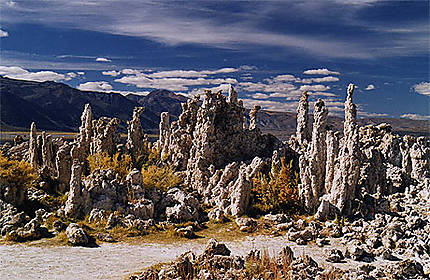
314	88
284	78
248	67
260	95
172	23
416	117
3	33
130	71
422	88
292	78
70	76
270	105
280	87
320	93
267	87
191	73
247	78
176	80
95	86
321	71
320	80
112	73
19	73
371	115
370	87
174	84
103	59
222	87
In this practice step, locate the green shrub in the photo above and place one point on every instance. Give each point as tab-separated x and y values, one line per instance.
277	192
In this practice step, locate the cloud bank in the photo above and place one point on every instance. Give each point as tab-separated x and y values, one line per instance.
19	73
422	88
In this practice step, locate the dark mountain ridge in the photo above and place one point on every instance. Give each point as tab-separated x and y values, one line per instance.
58	107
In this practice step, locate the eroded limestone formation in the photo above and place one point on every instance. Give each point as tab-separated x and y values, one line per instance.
137	143
347	169
164	138
253	117
303	134
77	197
420	159
332	142
347	175
182	134
83	140
33	149
63	166
209	139
210	146
105	136
313	161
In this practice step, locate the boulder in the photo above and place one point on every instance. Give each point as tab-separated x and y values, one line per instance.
76	235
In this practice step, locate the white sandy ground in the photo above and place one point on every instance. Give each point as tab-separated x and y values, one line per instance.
116	261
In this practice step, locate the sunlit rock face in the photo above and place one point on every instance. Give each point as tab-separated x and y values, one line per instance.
347	173
345	179
313	161
210	138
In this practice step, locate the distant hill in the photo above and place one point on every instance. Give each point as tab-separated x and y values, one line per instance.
58	107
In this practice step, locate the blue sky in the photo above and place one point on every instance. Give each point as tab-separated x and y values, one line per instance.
269	50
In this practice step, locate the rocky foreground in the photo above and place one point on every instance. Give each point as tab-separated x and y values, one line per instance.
364	188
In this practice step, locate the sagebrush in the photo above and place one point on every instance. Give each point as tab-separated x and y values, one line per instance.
277	191
162	178
17	173
120	164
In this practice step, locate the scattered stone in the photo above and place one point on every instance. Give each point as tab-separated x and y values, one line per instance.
105	237
213	248
335	256
76	235
246	224
187	232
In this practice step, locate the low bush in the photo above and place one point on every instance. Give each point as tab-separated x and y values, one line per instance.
121	165
276	192
17	173
153	157
162	178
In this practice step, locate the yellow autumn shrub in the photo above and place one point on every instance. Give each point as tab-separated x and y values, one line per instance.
277	192
119	164
17	173
162	178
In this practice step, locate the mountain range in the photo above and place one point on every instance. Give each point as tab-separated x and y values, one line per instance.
58	107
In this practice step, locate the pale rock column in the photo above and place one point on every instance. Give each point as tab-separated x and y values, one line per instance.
313	162
135	133
164	138
347	170
303	129
253	117
33	147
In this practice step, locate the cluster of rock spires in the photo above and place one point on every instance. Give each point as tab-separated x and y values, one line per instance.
207	144
211	146
342	174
